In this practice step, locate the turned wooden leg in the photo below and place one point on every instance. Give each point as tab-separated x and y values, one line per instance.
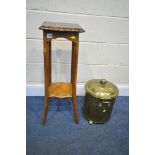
47	75
75	46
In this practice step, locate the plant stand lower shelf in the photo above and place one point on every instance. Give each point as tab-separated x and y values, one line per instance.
60	90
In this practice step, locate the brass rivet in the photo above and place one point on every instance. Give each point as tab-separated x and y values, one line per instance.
73	37
90	122
104	110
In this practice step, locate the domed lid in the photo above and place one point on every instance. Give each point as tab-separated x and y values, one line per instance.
101	88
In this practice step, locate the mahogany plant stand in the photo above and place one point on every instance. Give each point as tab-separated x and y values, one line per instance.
71	32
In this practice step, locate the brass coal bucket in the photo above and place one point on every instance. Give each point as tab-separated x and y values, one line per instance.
99	100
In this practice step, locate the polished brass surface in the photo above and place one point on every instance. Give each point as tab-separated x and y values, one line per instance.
101	88
99	100
97	110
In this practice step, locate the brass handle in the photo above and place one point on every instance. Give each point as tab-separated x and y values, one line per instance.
103	82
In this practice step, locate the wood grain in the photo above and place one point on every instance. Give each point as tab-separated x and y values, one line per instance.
47	75
60	90
54	26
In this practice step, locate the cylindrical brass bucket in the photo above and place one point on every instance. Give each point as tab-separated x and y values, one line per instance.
99	100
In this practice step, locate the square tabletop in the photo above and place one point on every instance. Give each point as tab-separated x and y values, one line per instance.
68	27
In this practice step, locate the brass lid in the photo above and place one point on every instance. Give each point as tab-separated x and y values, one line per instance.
101	88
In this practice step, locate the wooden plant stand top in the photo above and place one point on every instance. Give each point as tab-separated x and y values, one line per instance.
71	32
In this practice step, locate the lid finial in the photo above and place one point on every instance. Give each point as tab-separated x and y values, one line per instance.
103	82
